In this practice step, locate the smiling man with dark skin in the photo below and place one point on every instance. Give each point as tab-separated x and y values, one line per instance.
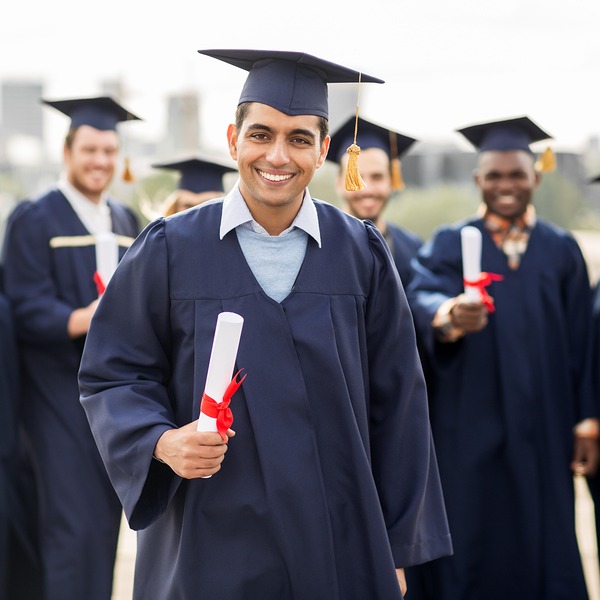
507	181
329	486
512	407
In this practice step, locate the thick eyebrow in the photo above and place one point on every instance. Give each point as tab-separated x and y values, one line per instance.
304	132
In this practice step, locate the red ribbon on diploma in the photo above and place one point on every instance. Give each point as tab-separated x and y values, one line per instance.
100	287
221	410
484	280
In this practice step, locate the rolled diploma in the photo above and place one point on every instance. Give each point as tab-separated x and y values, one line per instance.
107	255
470	238
221	363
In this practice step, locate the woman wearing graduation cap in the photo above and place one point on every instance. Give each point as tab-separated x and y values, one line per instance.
379	168
201	179
510	390
329	486
53	277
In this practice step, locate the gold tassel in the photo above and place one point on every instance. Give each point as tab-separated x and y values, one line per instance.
127	174
397	181
354	182
546	162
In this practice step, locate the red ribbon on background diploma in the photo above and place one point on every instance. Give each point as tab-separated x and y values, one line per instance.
484	280
220	410
100	287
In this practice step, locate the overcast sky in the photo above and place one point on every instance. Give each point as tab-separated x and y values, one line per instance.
447	63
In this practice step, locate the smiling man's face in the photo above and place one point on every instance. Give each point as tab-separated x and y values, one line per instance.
507	181
277	155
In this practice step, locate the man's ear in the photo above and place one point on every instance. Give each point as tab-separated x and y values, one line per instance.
232	140
323	152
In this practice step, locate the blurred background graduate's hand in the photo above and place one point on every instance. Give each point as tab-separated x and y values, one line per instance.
467	315
80	319
586	453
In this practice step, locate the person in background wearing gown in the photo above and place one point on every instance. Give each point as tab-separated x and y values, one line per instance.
201	179
509	386
329	486
52	279
594	479
379	167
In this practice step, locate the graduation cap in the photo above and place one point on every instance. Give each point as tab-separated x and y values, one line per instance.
198	175
510	134
595	179
371	135
101	113
294	83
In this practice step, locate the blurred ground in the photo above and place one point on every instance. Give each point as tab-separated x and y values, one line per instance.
123	583
589	241
586	534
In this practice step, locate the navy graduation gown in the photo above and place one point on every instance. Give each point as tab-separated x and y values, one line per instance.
503	403
19	563
331	479
404	246
594	482
8	440
49	268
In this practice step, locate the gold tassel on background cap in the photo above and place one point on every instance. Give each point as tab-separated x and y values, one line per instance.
127	174
546	163
397	181
354	182
396	169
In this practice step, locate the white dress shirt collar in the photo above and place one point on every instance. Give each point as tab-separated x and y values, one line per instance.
95	217
236	213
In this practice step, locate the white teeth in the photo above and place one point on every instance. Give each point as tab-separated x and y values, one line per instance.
271	177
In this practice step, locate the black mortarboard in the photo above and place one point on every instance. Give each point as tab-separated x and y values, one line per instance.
595	179
198	174
370	135
102	113
508	134
294	83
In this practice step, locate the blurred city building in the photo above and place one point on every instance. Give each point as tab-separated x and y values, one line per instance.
182	133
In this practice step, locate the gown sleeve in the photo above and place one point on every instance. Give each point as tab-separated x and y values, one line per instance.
578	303
436	278
403	456
124	378
41	316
